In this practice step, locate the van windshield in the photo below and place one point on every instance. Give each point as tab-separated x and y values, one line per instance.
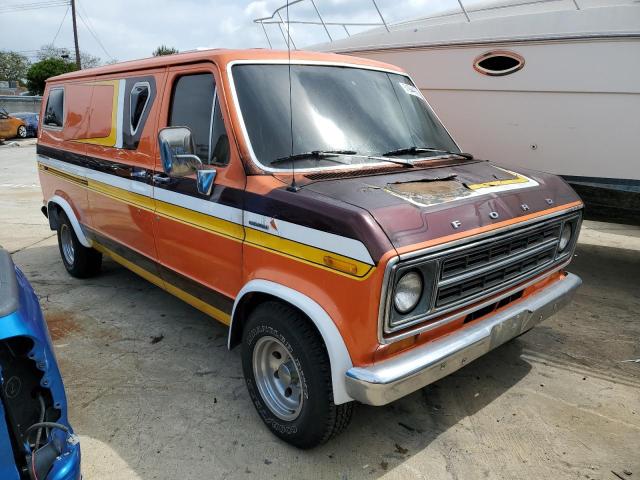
333	109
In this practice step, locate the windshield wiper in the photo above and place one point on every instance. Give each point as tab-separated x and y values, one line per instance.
319	154
418	150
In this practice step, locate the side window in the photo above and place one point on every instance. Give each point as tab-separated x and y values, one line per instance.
53	114
138	101
219	139
191	106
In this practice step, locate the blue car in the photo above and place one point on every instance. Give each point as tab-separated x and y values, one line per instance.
36	440
31	121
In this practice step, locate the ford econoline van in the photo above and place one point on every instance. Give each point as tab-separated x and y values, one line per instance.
318	207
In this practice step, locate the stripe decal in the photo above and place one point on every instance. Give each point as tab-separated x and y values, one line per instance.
120	115
109	140
305	253
205	299
318	248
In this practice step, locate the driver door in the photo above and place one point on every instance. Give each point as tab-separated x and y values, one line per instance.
199	236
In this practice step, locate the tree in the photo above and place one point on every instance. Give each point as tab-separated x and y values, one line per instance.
51	51
164	50
13	66
49	67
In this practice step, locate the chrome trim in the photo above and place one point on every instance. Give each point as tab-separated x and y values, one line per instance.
442	246
146	102
388	335
245	133
499	264
212	122
498	53
407	372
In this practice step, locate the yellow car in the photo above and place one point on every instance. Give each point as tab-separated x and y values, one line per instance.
11	127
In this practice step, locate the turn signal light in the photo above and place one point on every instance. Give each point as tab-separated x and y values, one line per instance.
341	265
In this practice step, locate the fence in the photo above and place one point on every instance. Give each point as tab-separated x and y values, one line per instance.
14	104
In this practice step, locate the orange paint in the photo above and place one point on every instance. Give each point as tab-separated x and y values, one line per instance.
221	262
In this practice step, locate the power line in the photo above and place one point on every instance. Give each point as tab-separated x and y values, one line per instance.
33	6
91	30
60	27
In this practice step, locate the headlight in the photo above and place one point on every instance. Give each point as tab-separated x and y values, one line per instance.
565	237
408	291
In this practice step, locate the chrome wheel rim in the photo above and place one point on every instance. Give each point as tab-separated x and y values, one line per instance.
277	378
22	131
66	241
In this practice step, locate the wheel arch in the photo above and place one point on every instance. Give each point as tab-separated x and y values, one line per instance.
257	291
53	215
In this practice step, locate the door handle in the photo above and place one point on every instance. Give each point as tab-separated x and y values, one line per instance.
161	179
138	174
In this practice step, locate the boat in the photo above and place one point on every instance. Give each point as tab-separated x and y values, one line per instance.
549	85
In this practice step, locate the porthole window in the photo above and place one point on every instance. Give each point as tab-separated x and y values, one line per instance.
138	103
498	63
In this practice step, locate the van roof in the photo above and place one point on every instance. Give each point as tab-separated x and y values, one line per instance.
221	57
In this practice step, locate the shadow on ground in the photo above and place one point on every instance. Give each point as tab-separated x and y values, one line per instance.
151	377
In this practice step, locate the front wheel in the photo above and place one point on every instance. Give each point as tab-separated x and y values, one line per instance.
80	261
288	375
22	131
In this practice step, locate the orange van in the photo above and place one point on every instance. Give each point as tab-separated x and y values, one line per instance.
314	204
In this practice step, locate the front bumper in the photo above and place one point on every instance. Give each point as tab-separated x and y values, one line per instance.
391	379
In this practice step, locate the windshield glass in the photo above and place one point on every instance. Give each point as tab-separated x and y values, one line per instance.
333	109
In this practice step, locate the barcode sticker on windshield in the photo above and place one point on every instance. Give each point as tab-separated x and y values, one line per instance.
411	90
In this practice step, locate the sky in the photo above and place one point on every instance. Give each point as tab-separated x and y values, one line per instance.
130	29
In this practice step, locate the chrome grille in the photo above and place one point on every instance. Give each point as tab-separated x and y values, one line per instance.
459	289
475	272
500	249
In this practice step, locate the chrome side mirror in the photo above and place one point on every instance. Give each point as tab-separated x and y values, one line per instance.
177	151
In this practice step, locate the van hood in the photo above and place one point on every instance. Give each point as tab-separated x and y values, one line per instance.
416	205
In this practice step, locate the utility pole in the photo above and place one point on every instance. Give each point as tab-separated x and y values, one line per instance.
75	33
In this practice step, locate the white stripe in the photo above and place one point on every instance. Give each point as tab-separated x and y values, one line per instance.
64	166
120	113
347	247
231	214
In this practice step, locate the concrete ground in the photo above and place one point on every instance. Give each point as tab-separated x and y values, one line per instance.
154	393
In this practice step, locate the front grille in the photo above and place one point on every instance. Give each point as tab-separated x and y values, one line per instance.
475	272
461	289
495	251
481	269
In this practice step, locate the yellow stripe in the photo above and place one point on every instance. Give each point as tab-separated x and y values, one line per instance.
121	194
64	175
272	243
200	220
496	183
181	294
301	252
110	140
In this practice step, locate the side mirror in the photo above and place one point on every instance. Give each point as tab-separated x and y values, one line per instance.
177	151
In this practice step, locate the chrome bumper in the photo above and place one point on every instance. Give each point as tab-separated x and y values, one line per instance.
391	379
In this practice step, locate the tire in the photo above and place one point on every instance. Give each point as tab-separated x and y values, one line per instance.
80	261
22	131
274	327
